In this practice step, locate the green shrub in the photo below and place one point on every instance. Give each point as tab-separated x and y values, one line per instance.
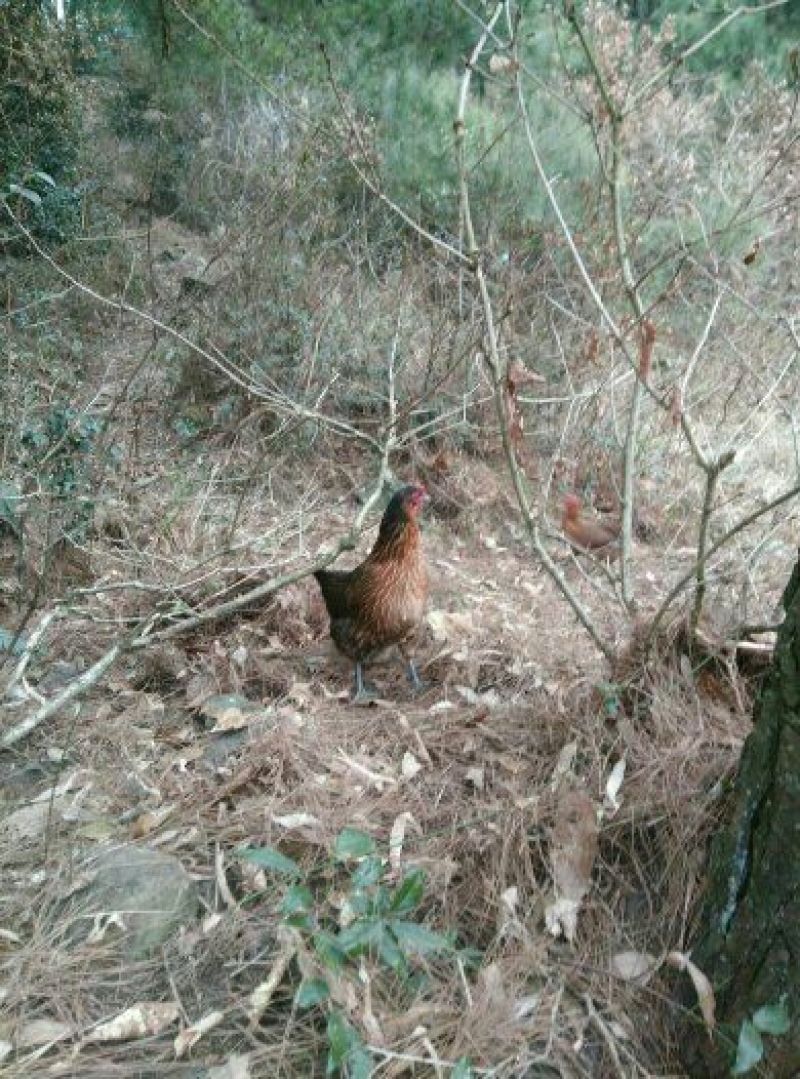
38	113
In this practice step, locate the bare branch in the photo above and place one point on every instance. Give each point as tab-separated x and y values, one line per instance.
712	550
279	401
495	360
677	61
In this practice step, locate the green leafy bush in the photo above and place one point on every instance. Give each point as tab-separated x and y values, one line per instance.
37	95
381	922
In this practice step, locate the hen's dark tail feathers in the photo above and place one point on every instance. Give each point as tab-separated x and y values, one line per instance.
333	585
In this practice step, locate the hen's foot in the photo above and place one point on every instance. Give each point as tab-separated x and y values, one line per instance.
418	685
362	693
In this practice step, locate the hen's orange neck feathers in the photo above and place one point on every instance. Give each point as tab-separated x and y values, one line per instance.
399	532
572	507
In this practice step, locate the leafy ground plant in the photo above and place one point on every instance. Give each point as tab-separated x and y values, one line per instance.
769	1019
377	919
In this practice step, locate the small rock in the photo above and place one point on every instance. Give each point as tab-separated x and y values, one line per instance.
150	891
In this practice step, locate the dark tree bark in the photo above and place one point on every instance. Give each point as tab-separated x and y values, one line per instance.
749	943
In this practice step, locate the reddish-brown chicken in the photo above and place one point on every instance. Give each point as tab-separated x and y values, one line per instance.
381	602
586	533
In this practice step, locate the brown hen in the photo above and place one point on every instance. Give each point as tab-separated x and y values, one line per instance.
586	533
381	602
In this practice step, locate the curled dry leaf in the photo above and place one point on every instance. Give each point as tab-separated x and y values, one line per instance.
646	342
231	712
676	407
573	849
612	801
259	999
702	987
447	625
441	706
397	837
519	375
235	1067
222	880
375	778
502	65
634	966
296	820
192	1035
144	1020
148	821
370	1023
564	764
42	1032
410	765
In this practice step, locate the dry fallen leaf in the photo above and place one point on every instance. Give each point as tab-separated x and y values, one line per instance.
231	712
144	1020
410	765
148	821
397	837
612	801
573	849
296	820
235	1067
192	1035
259	999
42	1032
222	881
702	987
564	764
634	966
502	65
447	625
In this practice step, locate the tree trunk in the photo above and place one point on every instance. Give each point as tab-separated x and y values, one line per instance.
749	944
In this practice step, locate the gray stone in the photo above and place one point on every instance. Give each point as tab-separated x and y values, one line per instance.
150	891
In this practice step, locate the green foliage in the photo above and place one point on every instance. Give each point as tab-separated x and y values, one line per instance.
12	642
765	38
59	451
269	858
38	115
346	1052
380	923
770	1019
611	696
9	511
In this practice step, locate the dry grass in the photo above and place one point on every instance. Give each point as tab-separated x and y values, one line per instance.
508	697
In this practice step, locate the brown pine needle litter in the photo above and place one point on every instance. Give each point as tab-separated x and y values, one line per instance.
515	785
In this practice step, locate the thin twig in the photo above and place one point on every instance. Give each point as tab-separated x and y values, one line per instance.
276	398
712	476
712	550
606	1035
677	61
495	361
